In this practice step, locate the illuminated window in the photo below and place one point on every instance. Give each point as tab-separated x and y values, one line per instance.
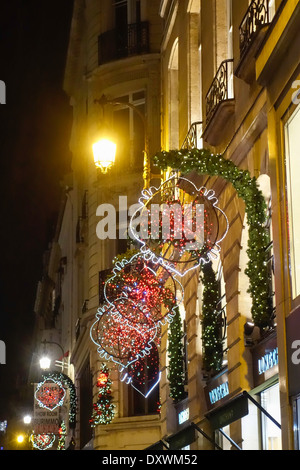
271	434
292	128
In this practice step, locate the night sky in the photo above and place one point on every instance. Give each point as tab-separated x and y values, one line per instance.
35	126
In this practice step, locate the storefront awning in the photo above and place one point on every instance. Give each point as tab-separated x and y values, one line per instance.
235	409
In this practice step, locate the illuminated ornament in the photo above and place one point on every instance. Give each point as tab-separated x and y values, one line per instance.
152	289
50	394
178	225
42	441
102	379
118	340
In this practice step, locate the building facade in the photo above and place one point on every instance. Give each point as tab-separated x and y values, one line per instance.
179	77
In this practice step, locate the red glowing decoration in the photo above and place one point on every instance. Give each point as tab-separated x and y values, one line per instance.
42	441
50	394
119	340
102	379
151	289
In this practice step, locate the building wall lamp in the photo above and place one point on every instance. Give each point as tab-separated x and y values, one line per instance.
104	150
45	360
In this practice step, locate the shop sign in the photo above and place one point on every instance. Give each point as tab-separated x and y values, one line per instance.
217	391
235	409
45	421
265	360
216	394
183	416
268	361
293	351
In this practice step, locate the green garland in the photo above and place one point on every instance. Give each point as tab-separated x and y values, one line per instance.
206	163
175	354
67	383
211	339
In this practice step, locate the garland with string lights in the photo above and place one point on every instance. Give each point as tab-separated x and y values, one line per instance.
67	383
176	359
103	410
204	162
211	338
62	436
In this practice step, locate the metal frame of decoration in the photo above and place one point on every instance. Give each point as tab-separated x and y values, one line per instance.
147	195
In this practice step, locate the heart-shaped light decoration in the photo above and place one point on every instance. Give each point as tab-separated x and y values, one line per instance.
42	441
50	394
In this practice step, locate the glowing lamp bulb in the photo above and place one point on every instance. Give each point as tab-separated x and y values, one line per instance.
104	154
45	362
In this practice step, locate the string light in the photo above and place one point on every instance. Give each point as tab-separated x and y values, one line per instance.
67	383
42	441
62	432
103	410
199	253
118	340
49	396
205	163
175	353
211	339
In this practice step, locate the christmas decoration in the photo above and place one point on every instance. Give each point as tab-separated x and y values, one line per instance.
211	322
204	162
176	359
42	441
62	437
103	409
144	375
145	285
117	339
50	394
67	383
178	233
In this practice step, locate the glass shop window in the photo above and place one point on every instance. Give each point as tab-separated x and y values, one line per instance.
258	430
292	128
271	434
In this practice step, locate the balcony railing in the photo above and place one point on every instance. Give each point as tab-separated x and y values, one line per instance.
257	16
117	44
193	139
220	90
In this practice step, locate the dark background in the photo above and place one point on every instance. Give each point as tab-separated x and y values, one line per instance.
35	126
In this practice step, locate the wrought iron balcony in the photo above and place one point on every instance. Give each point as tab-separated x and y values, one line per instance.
119	44
221	89
256	17
193	139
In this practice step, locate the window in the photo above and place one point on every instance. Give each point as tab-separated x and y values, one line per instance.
129	127
292	128
259	432
271	434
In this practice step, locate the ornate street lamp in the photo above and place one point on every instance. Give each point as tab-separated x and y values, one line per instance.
45	361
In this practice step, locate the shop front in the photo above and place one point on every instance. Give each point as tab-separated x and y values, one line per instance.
293	357
258	409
